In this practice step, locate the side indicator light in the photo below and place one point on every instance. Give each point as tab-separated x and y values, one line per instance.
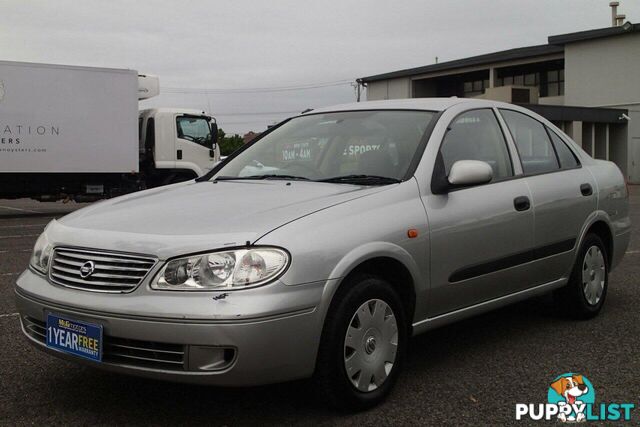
412	233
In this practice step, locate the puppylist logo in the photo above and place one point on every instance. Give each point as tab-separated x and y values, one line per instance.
572	398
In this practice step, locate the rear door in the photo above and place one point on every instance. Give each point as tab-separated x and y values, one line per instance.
563	193
478	235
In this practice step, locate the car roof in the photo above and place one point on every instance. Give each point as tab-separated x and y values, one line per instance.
427	104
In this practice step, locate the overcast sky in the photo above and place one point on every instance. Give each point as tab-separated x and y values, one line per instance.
231	45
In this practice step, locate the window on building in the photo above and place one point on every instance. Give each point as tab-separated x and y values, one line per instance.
555	83
534	146
530	79
508	78
474	87
567	158
476	135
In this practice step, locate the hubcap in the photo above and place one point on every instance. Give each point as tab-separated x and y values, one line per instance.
593	275
370	345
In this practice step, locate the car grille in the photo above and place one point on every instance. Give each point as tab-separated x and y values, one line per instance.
111	272
121	351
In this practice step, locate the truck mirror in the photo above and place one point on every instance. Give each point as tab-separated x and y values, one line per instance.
214	134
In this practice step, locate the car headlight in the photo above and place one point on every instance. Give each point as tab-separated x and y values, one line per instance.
41	255
233	269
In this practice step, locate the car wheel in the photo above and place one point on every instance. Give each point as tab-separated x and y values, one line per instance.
363	344
584	295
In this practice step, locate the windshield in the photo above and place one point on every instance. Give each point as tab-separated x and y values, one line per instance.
353	144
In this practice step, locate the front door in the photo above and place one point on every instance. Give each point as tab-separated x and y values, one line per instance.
479	235
193	143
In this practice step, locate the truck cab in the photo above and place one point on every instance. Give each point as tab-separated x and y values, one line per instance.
176	144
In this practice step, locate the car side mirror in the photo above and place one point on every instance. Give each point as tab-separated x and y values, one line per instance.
464	173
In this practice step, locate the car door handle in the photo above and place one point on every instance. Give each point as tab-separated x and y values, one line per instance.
179	154
586	189
521	203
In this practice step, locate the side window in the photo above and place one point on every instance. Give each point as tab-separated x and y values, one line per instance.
194	129
476	135
534	147
567	158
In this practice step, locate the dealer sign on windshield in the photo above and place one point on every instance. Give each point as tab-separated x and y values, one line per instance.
74	337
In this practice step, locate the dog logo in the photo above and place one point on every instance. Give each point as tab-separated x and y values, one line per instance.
571	398
573	392
87	269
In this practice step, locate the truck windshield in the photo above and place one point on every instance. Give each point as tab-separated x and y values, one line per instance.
342	147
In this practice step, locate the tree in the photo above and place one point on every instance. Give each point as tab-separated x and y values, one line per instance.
228	144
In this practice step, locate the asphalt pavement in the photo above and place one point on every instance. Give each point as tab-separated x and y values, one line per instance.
470	373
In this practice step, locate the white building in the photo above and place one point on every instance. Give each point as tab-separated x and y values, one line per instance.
587	83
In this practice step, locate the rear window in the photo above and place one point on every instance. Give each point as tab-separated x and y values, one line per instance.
567	158
534	146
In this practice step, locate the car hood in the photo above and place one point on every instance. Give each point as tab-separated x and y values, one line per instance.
197	216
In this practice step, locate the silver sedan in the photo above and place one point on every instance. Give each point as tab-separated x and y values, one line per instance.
321	247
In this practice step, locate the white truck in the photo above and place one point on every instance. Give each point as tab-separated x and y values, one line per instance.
69	132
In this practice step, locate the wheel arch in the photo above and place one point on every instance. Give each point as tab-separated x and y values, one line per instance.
602	230
598	224
392	271
389	262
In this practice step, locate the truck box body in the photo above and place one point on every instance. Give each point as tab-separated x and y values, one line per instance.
63	119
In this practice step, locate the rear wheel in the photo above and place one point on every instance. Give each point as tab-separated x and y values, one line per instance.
584	295
363	344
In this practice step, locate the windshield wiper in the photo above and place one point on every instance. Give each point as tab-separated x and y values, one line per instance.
267	176
362	179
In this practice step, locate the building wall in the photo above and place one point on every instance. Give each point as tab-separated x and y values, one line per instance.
551	100
425	88
377	90
618	147
606	72
598	73
603	72
389	89
633	162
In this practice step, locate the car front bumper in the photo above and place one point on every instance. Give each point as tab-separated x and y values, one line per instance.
228	350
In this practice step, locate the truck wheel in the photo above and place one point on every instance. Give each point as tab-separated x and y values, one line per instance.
584	295
363	344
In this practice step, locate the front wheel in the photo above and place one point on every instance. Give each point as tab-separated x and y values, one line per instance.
584	295
363	344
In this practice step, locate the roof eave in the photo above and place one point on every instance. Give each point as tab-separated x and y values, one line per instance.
488	58
562	39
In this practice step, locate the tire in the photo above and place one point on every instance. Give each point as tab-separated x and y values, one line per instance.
585	294
364	320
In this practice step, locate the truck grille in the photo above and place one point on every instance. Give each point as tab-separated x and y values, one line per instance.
98	271
121	351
